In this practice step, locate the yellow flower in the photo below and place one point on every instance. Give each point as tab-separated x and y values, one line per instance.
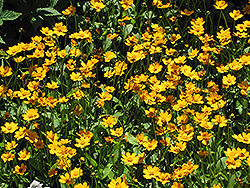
246	9
81	185
228	80
177	185
20	169
10	145
108	56
151	172
5	71
117	132
187	12
30	115
205	137
66	179
130	159
244	137
24	155
174	38
155	68
69	11
60	29
236	14
109	121
118	183
98	5
221	4
126	4
232	163
52	85
76	173
7	156
9	127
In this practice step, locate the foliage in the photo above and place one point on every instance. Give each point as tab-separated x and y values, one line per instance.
128	94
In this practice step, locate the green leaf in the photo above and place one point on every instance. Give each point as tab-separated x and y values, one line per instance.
52	11
9	15
131	139
1	22
127	29
91	160
232	181
1	6
106	44
106	171
53	2
71	93
2	41
221	165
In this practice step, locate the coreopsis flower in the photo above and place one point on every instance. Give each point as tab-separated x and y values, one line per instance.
109	121
112	36
130	159
108	56
126	4
7	156
117	132
163	178
164	117
9	127
20	133
220	120
119	182
19	59
150	145
155	68
193	53
52	172
24	155
151	172
203	154
224	36
97	5
179	146
76	173
52	85
187	12
75	52
204	137
5	71
246	9
228	80
30	115
197	26
69	11
151	112
244	137
236	14
38	144
78	94
174	37
11	145
20	169
81	185
132	40
66	178
60	29
177	185
76	76
220	5
232	163
185	136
